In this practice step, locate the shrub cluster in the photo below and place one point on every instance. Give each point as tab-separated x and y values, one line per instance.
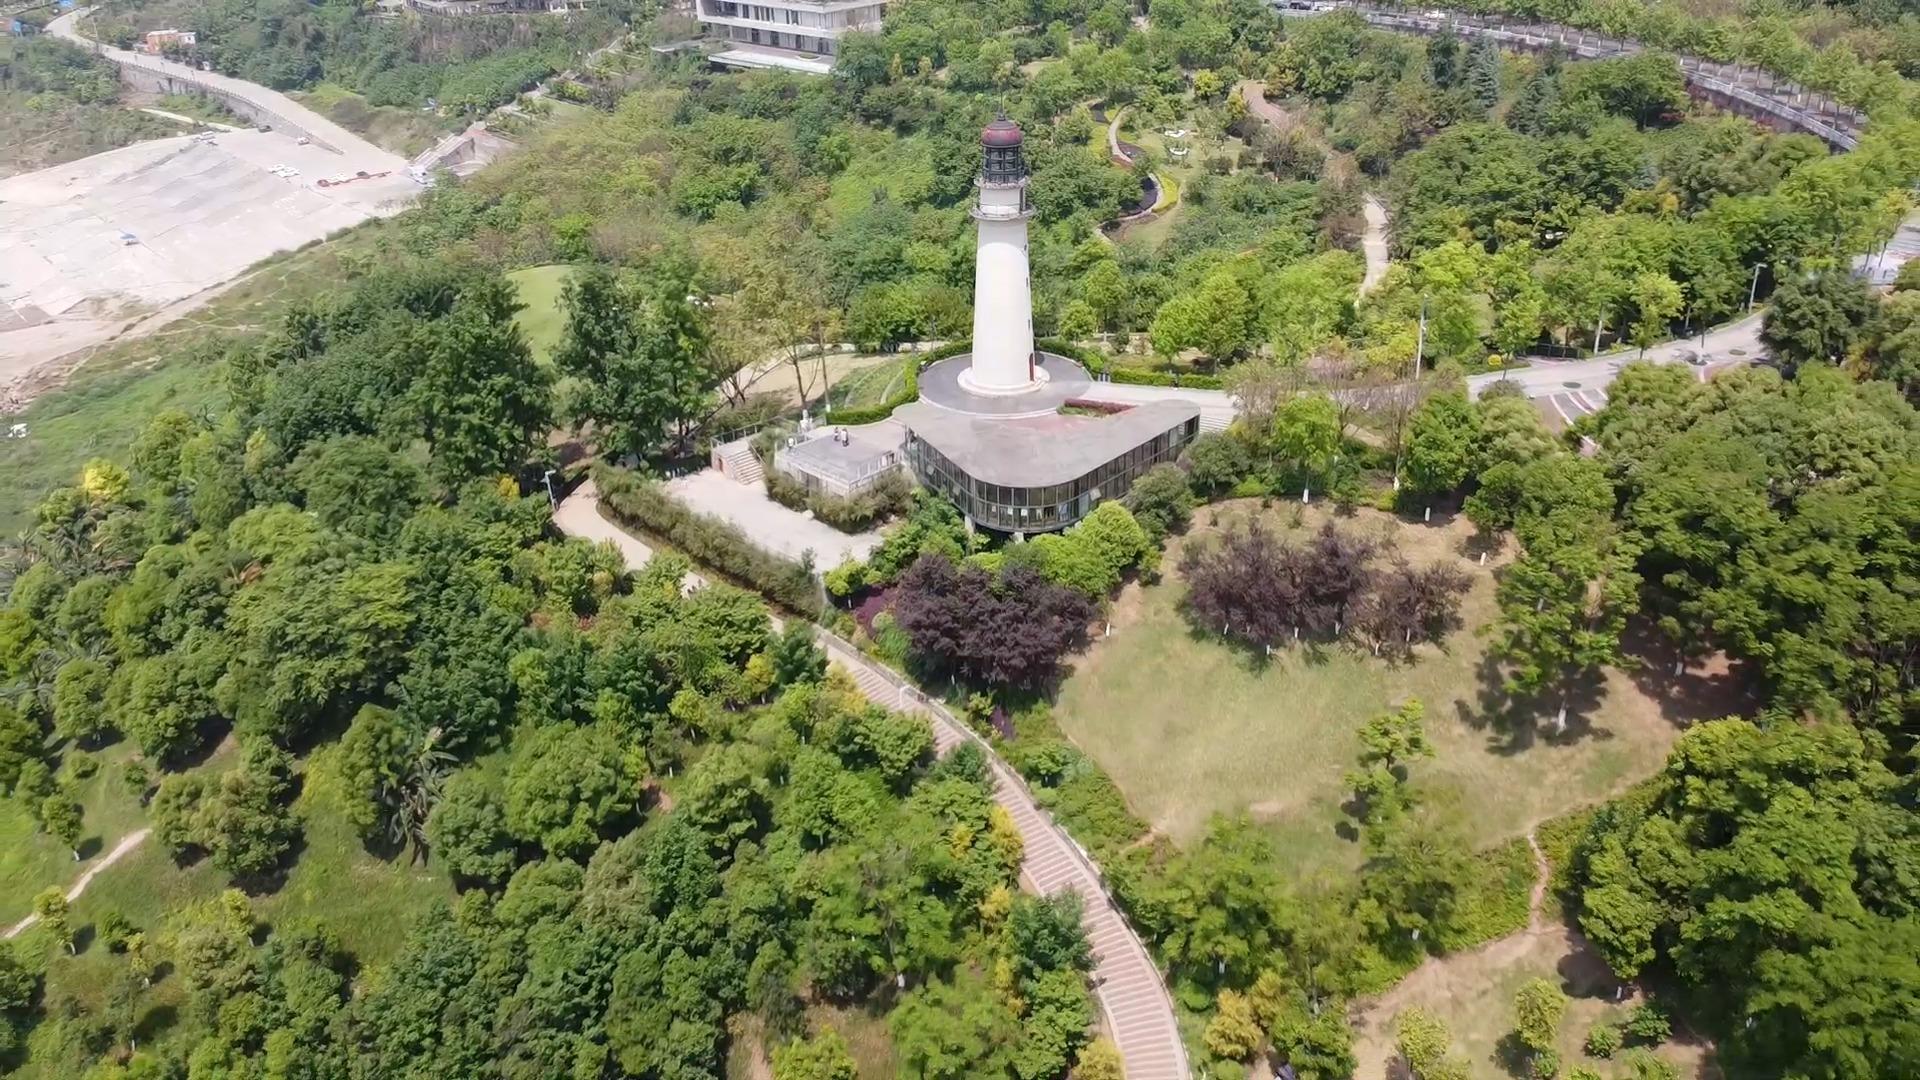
885	497
707	540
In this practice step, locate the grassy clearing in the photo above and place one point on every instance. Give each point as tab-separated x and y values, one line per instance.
903	168
1169	193
541	320
872	385
867	1040
368	900
98	414
30	860
1472	992
1189	727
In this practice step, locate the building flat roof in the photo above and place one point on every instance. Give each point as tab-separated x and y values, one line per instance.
772	58
867	451
1039	451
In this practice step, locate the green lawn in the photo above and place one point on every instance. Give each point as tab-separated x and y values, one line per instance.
1189	726
869	386
30	860
541	320
98	414
369	901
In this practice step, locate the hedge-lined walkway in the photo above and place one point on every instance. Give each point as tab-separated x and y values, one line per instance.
1133	998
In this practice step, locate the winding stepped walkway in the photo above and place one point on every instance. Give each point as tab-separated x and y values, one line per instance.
1133	998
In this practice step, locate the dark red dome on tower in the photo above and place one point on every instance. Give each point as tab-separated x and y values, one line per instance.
1001	133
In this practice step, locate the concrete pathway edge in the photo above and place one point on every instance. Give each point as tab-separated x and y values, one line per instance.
1133	996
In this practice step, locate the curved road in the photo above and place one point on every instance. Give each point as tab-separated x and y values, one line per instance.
1133	998
358	153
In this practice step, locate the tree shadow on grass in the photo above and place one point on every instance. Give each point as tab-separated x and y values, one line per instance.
156	1022
1703	689
90	847
1515	723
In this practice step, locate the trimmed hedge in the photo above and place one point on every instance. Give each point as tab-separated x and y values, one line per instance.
1099	363
873	414
709	541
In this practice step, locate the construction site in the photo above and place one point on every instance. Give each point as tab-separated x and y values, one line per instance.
91	248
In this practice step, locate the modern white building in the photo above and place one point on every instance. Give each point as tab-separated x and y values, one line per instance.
1007	431
799	35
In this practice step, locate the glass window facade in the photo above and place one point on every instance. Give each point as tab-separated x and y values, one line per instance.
1042	509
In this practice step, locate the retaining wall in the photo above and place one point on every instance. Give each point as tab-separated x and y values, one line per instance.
166	81
1749	92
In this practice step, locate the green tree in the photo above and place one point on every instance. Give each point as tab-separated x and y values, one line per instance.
823	1057
246	823
633	349
1232	1034
566	784
1213	318
1388	743
1448	276
1538	1008
1815	318
483	402
467	830
1442	445
1162	501
1078	321
61	816
79	700
1563	609
50	908
1225	906
356	485
952	1031
1317	1043
1658	300
1307	437
1426	1046
1893	351
1100	1060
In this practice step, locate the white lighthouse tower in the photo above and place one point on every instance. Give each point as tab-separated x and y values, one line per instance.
1003	357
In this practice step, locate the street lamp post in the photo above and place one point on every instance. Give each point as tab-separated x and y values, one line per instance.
1754	288
547	479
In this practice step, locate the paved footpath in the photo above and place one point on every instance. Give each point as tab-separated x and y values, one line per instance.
1133	997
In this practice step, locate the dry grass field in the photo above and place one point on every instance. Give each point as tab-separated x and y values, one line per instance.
1190	726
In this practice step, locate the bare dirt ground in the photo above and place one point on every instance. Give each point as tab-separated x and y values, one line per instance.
123	242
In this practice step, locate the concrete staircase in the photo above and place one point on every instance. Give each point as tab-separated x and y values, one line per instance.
1214	421
738	461
1133	997
1134	1003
